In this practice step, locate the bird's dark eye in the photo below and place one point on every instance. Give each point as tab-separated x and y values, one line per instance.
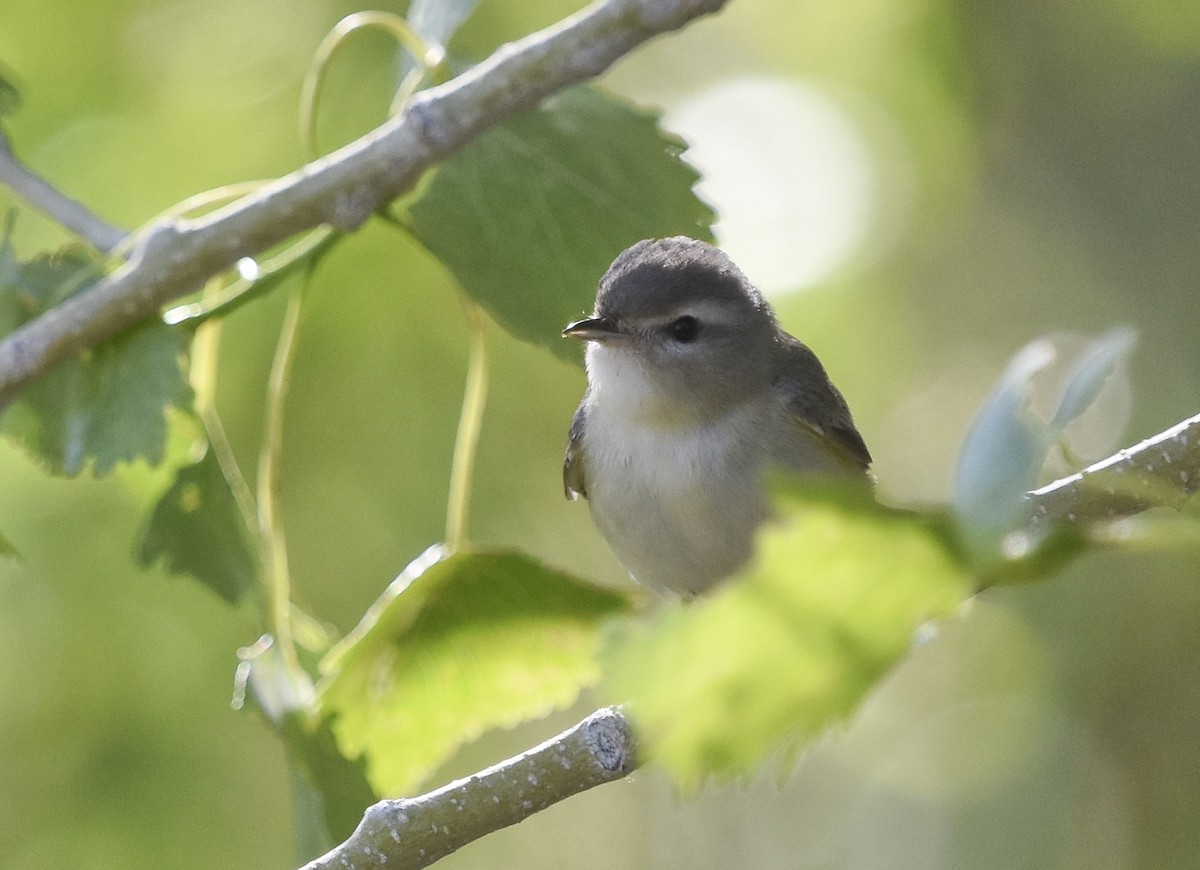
684	329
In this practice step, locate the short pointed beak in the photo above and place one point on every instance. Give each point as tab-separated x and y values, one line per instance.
594	329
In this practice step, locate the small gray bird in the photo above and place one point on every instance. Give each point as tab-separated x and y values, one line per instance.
694	393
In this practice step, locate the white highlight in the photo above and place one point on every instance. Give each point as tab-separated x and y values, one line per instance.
788	172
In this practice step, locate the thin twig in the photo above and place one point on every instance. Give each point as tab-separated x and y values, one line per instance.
206	352
175	257
470	424
274	558
49	200
414	832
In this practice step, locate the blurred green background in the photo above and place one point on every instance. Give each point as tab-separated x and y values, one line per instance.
920	186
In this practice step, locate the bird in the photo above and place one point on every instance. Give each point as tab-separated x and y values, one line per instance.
695	394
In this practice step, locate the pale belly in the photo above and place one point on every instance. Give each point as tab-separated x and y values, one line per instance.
680	511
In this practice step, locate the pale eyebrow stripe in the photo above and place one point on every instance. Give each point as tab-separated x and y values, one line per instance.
706	311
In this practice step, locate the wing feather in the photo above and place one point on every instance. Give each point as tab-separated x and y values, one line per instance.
816	403
574	482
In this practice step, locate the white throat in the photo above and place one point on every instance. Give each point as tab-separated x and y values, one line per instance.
677	498
622	386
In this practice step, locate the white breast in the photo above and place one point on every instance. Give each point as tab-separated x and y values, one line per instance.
678	502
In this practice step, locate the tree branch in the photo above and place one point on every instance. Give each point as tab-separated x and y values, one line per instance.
1162	470
174	257
414	832
49	200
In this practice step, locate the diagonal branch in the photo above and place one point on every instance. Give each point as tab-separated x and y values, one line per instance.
174	257
414	832
49	200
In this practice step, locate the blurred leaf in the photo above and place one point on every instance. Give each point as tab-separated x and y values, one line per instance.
330	792
1006	446
530	215
457	645
29	289
197	529
10	269
313	637
777	656
438	20
7	548
104	406
268	683
1092	370
1002	455
10	95
10	92
311	836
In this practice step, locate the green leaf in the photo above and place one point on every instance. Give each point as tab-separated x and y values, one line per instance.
457	645
329	791
197	529
530	215
833	600
311	836
104	406
29	289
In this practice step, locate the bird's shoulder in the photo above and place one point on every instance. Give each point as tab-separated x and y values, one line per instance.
814	402
574	480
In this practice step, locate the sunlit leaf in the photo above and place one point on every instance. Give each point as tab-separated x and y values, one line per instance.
104	406
458	645
197	529
834	599
530	215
